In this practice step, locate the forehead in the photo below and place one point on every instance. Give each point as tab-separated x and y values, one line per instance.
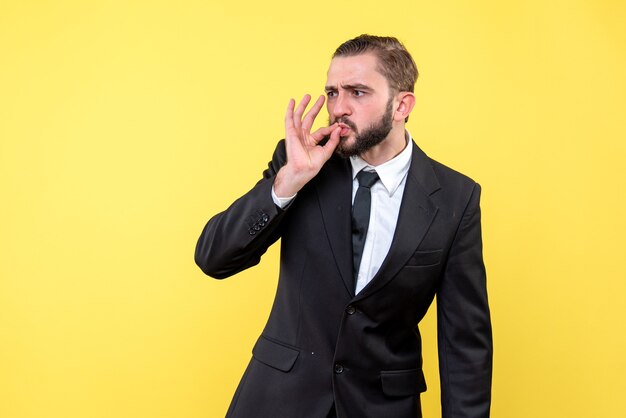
358	69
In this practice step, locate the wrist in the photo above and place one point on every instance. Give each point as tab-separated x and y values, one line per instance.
287	183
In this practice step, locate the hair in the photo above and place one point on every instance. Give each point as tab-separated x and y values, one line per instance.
394	61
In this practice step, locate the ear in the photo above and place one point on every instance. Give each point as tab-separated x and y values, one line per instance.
405	101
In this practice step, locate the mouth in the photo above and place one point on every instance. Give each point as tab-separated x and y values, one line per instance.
345	129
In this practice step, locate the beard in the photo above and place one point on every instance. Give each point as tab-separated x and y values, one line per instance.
369	138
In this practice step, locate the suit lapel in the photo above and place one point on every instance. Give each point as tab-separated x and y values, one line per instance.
334	190
417	213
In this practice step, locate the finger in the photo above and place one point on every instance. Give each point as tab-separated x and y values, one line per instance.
290	132
297	116
323	132
331	144
302	105
308	120
289	115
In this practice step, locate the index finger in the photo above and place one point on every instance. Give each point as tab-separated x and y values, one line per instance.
309	118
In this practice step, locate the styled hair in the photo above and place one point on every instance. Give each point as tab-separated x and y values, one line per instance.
394	61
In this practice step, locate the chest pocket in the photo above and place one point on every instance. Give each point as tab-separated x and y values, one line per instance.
425	258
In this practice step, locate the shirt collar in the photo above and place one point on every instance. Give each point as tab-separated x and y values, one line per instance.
392	172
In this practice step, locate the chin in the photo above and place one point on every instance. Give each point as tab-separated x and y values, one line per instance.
347	140
346	147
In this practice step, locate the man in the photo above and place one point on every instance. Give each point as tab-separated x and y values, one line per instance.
371	230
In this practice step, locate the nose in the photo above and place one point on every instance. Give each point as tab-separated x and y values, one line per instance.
340	106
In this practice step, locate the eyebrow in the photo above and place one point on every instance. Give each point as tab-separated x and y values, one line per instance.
356	86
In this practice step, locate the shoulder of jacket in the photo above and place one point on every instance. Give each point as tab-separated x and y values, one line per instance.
450	177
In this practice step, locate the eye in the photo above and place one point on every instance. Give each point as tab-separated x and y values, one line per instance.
358	93
331	93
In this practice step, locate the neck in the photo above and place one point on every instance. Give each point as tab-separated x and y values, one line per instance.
390	147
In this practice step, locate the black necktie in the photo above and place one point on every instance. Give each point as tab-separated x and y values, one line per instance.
361	217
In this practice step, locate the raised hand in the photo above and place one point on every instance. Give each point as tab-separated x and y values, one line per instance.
305	157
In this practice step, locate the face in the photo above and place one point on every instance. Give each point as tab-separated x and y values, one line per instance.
360	101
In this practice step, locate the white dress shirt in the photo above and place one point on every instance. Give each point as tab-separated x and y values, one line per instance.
386	199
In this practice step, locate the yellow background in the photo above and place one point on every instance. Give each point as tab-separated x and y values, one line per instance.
125	125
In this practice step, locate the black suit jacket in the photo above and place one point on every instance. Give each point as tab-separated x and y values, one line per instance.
324	345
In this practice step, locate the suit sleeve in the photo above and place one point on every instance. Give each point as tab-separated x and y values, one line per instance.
463	322
235	239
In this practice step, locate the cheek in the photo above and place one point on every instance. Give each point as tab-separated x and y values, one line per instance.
367	109
366	116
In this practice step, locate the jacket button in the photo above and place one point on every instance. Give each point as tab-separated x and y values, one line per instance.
338	368
252	231
266	218
256	227
350	310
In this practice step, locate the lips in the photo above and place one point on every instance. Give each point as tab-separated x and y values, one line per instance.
345	129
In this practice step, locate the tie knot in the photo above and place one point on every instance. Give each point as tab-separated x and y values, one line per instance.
367	178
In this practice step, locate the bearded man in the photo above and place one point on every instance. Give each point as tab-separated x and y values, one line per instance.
372	230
